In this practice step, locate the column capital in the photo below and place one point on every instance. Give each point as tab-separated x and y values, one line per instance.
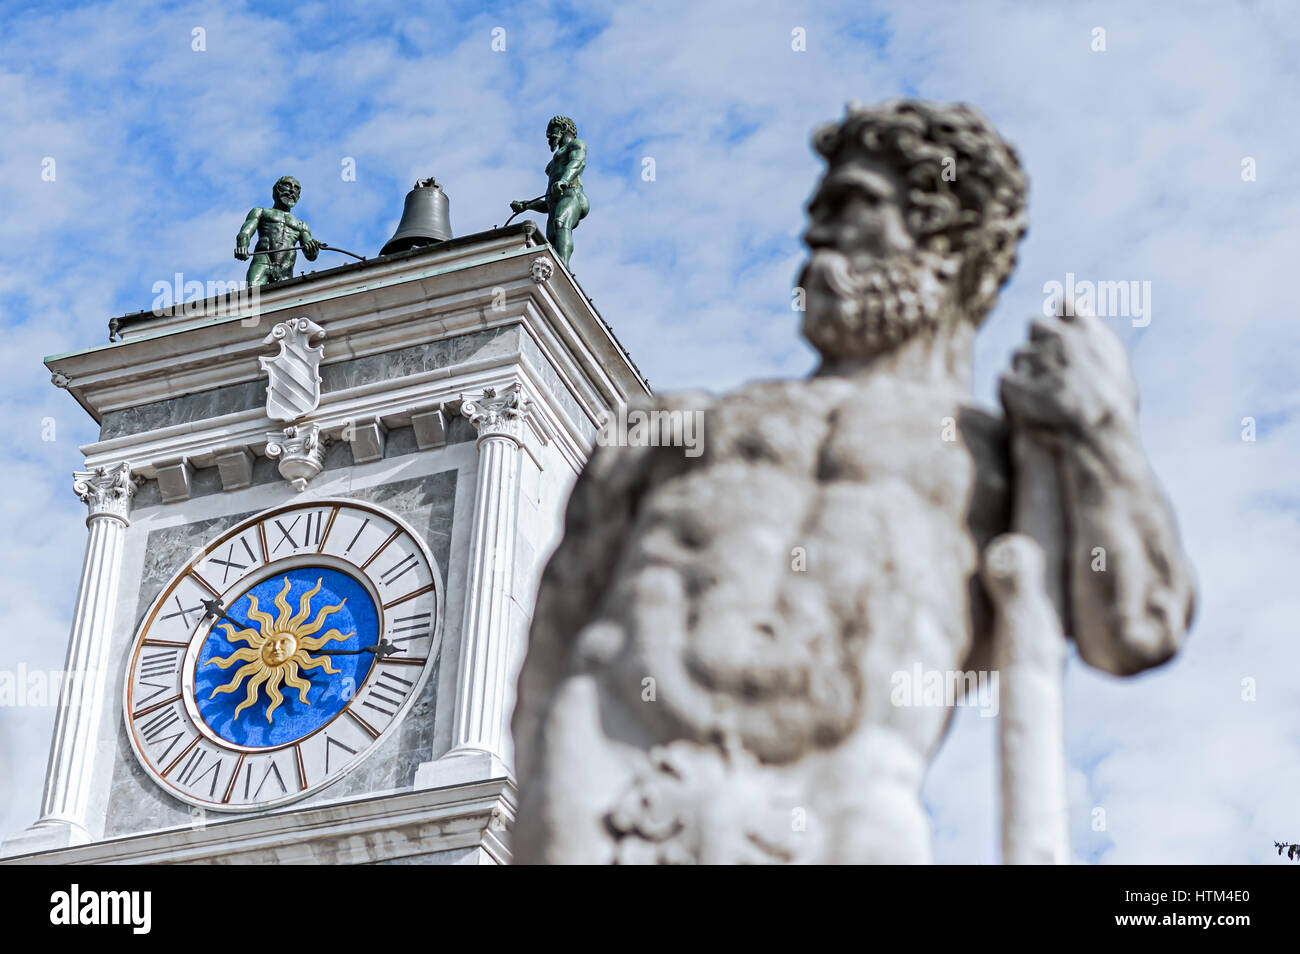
497	414
106	491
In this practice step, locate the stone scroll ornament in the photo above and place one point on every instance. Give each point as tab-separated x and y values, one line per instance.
299	452
292	391
293	385
731	654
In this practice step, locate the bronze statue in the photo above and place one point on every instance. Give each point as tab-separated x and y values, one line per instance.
564	202
279	235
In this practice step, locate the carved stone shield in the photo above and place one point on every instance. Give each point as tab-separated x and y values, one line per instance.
293	388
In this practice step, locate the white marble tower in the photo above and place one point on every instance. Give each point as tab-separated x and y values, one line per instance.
460	390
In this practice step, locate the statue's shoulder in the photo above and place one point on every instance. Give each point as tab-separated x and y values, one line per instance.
693	399
985	430
645	439
986	435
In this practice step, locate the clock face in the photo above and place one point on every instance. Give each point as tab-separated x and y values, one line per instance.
281	656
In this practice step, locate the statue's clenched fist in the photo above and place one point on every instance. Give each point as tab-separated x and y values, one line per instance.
1071	376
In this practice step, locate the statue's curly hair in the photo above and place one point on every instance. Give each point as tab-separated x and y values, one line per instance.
977	211
565	123
290	179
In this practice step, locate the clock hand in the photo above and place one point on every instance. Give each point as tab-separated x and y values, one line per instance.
383	649
214	608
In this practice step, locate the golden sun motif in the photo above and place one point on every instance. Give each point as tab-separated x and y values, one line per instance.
275	654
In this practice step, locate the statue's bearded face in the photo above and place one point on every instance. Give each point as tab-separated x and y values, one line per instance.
286	194
554	136
868	287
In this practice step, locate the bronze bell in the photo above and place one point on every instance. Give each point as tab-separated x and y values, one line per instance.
425	219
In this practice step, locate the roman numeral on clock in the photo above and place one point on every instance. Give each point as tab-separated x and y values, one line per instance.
398	570
233	556
417	625
160	663
156	665
182	611
388	691
271	770
309	525
330	740
189	775
353	542
153	730
160	723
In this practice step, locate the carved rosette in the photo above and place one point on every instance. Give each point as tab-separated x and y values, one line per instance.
300	452
497	415
106	491
541	270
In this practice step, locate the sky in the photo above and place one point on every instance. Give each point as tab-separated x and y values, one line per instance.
1159	150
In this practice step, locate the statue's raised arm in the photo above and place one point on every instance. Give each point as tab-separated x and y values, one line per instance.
1129	591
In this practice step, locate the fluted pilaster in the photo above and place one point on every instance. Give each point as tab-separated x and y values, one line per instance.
481	716
107	493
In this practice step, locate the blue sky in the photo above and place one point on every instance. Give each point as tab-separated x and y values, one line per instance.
1134	156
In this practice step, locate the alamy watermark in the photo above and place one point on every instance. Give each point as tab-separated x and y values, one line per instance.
38	688
131	909
1121	299
653	427
194	298
946	688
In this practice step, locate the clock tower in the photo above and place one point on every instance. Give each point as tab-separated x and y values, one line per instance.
317	513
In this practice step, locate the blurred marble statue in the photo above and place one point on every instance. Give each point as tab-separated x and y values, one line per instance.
716	639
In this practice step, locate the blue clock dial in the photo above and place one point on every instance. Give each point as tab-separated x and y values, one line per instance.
282	655
270	672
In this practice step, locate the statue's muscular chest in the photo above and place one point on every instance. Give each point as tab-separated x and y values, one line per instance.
557	164
275	223
828	530
920	444
945	457
873	491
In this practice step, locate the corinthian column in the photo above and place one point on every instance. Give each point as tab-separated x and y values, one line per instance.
107	493
479	729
